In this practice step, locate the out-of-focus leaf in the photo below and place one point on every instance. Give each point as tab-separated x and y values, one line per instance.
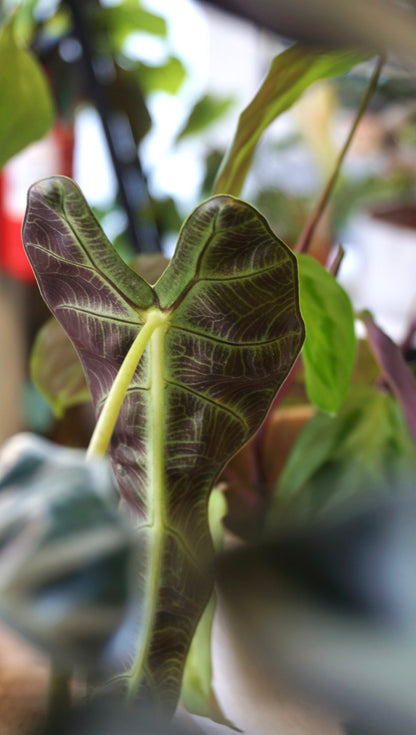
290	75
330	609
126	97
23	20
212	163
65	552
330	345
168	77
129	17
104	716
395	370
150	266
336	457
164	213
208	348
26	108
382	25
206	111
197	694
56	370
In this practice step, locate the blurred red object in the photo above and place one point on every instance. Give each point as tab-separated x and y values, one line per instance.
52	155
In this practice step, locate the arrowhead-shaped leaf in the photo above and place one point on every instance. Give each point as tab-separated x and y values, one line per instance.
221	330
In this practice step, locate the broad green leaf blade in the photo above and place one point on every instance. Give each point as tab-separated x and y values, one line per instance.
223	327
330	346
290	75
26	108
56	370
338	457
65	552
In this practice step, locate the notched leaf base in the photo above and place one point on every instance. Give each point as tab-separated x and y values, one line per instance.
202	377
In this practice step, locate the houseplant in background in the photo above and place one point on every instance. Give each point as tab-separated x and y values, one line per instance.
182	373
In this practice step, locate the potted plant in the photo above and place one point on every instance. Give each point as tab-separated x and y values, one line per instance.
182	374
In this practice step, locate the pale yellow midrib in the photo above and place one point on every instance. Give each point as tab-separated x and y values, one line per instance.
156	501
109	414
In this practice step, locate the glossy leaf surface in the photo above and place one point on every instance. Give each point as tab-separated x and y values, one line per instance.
290	75
222	329
24	97
330	346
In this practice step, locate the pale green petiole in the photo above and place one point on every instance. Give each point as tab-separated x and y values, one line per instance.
156	508
108	417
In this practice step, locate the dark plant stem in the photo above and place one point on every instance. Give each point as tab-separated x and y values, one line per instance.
305	238
59	698
336	263
409	337
131	181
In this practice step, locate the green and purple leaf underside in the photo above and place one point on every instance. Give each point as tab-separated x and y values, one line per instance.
201	389
395	370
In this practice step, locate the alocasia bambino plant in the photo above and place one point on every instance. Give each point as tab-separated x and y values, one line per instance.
181	375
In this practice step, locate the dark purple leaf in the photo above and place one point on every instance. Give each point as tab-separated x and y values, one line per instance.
223	328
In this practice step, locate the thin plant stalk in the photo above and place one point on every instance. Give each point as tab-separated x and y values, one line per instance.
305	238
337	262
59	697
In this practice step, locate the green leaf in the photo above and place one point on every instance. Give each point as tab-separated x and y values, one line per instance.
65	551
290	75
197	694
181	375
56	370
330	345
328	606
26	108
206	111
339	457
168	77
128	17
